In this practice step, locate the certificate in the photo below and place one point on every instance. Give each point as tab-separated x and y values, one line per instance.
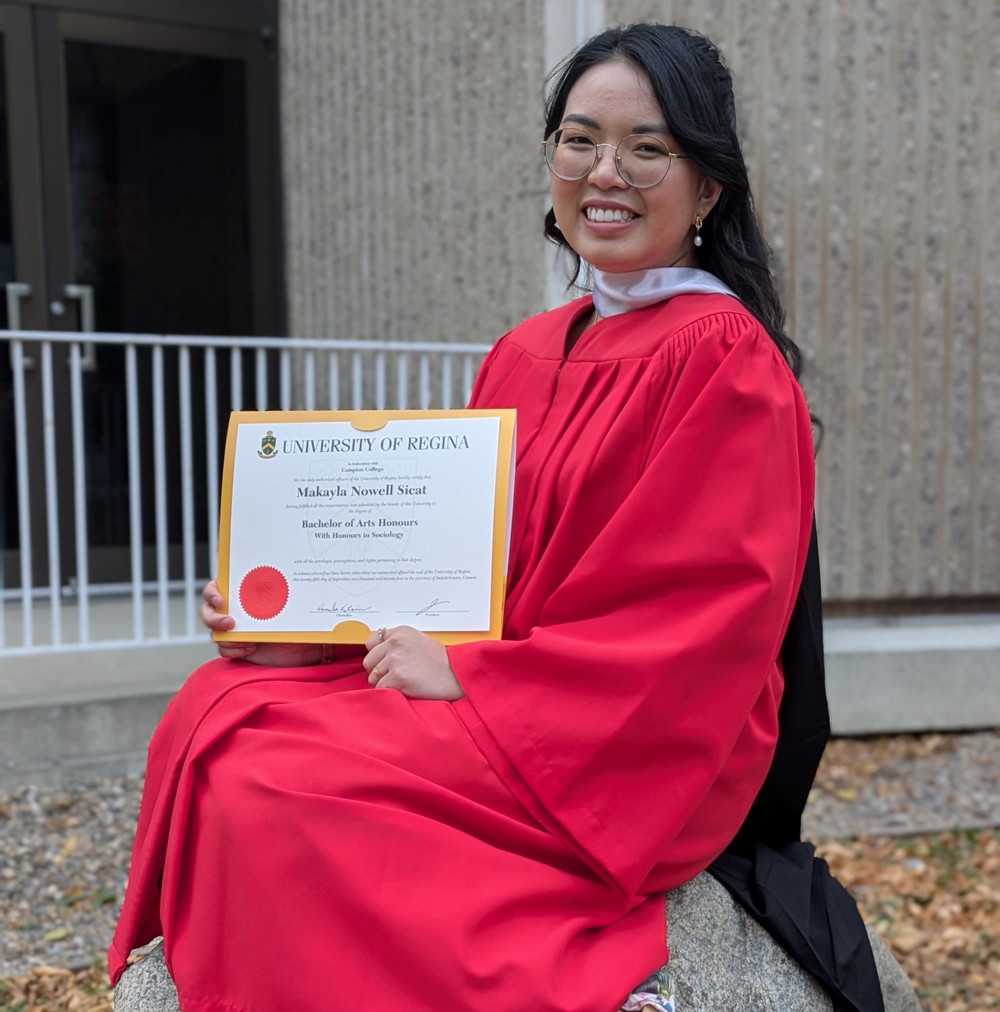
335	523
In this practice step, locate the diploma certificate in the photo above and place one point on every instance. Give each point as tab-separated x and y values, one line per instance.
334	523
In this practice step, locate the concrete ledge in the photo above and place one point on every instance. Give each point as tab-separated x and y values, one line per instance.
56	742
72	716
77	715
887	676
69	676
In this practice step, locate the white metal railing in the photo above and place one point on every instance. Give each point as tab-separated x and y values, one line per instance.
158	600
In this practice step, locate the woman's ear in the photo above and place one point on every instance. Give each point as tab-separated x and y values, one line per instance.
708	195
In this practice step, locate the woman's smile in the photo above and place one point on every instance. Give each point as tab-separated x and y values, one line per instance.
599	214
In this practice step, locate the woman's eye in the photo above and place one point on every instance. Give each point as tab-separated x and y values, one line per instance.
577	140
648	150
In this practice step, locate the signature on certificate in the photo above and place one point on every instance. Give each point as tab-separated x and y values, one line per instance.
434	609
342	609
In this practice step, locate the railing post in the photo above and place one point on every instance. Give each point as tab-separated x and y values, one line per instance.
187	488
212	458
160	492
79	493
134	488
51	491
23	500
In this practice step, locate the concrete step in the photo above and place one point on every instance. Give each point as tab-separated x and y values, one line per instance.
88	713
925	673
75	715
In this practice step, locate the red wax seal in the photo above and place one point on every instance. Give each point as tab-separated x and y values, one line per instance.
263	592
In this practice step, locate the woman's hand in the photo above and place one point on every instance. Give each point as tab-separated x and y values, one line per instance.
404	658
276	655
211	615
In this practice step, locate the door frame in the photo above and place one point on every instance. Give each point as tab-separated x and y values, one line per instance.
23	145
253	16
27	235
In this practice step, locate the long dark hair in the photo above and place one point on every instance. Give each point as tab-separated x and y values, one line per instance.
694	88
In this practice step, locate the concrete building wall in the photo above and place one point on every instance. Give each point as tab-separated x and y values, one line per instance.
414	196
413	182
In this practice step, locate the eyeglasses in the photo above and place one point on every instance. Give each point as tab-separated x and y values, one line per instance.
642	160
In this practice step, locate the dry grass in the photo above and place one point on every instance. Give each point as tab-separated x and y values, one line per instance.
935	900
51	989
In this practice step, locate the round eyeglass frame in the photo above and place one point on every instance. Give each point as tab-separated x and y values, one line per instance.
671	155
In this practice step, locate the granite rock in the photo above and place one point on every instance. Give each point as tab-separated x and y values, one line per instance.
720	958
146	986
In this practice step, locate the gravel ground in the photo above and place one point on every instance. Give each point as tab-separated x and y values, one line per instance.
898	785
64	852
64	856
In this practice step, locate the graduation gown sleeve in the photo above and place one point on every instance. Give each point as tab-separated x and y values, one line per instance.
634	707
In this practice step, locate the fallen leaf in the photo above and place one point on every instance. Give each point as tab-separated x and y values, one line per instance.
906	938
104	895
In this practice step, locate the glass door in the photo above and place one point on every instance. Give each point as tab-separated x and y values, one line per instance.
159	196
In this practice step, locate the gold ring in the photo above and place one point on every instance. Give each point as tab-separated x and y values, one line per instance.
381	634
375	671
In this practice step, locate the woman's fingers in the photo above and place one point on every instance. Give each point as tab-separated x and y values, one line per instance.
378	647
377	637
211	615
236	651
217	621
406	659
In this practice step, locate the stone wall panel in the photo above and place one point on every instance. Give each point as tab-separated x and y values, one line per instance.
872	134
412	168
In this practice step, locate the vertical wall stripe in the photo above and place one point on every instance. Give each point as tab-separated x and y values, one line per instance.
989	330
842	293
924	361
951	502
884	122
978	196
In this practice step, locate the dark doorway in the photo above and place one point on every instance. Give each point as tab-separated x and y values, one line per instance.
155	199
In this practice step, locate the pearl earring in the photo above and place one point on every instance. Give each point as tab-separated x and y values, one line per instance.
697	230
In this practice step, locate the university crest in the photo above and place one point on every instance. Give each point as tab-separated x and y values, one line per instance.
268	446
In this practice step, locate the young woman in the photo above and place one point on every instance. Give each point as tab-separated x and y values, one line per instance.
497	830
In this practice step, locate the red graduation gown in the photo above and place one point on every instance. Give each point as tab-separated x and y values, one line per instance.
307	842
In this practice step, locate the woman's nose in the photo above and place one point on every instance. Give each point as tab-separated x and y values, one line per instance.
605	170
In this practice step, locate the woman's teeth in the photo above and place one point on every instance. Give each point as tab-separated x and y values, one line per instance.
602	214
